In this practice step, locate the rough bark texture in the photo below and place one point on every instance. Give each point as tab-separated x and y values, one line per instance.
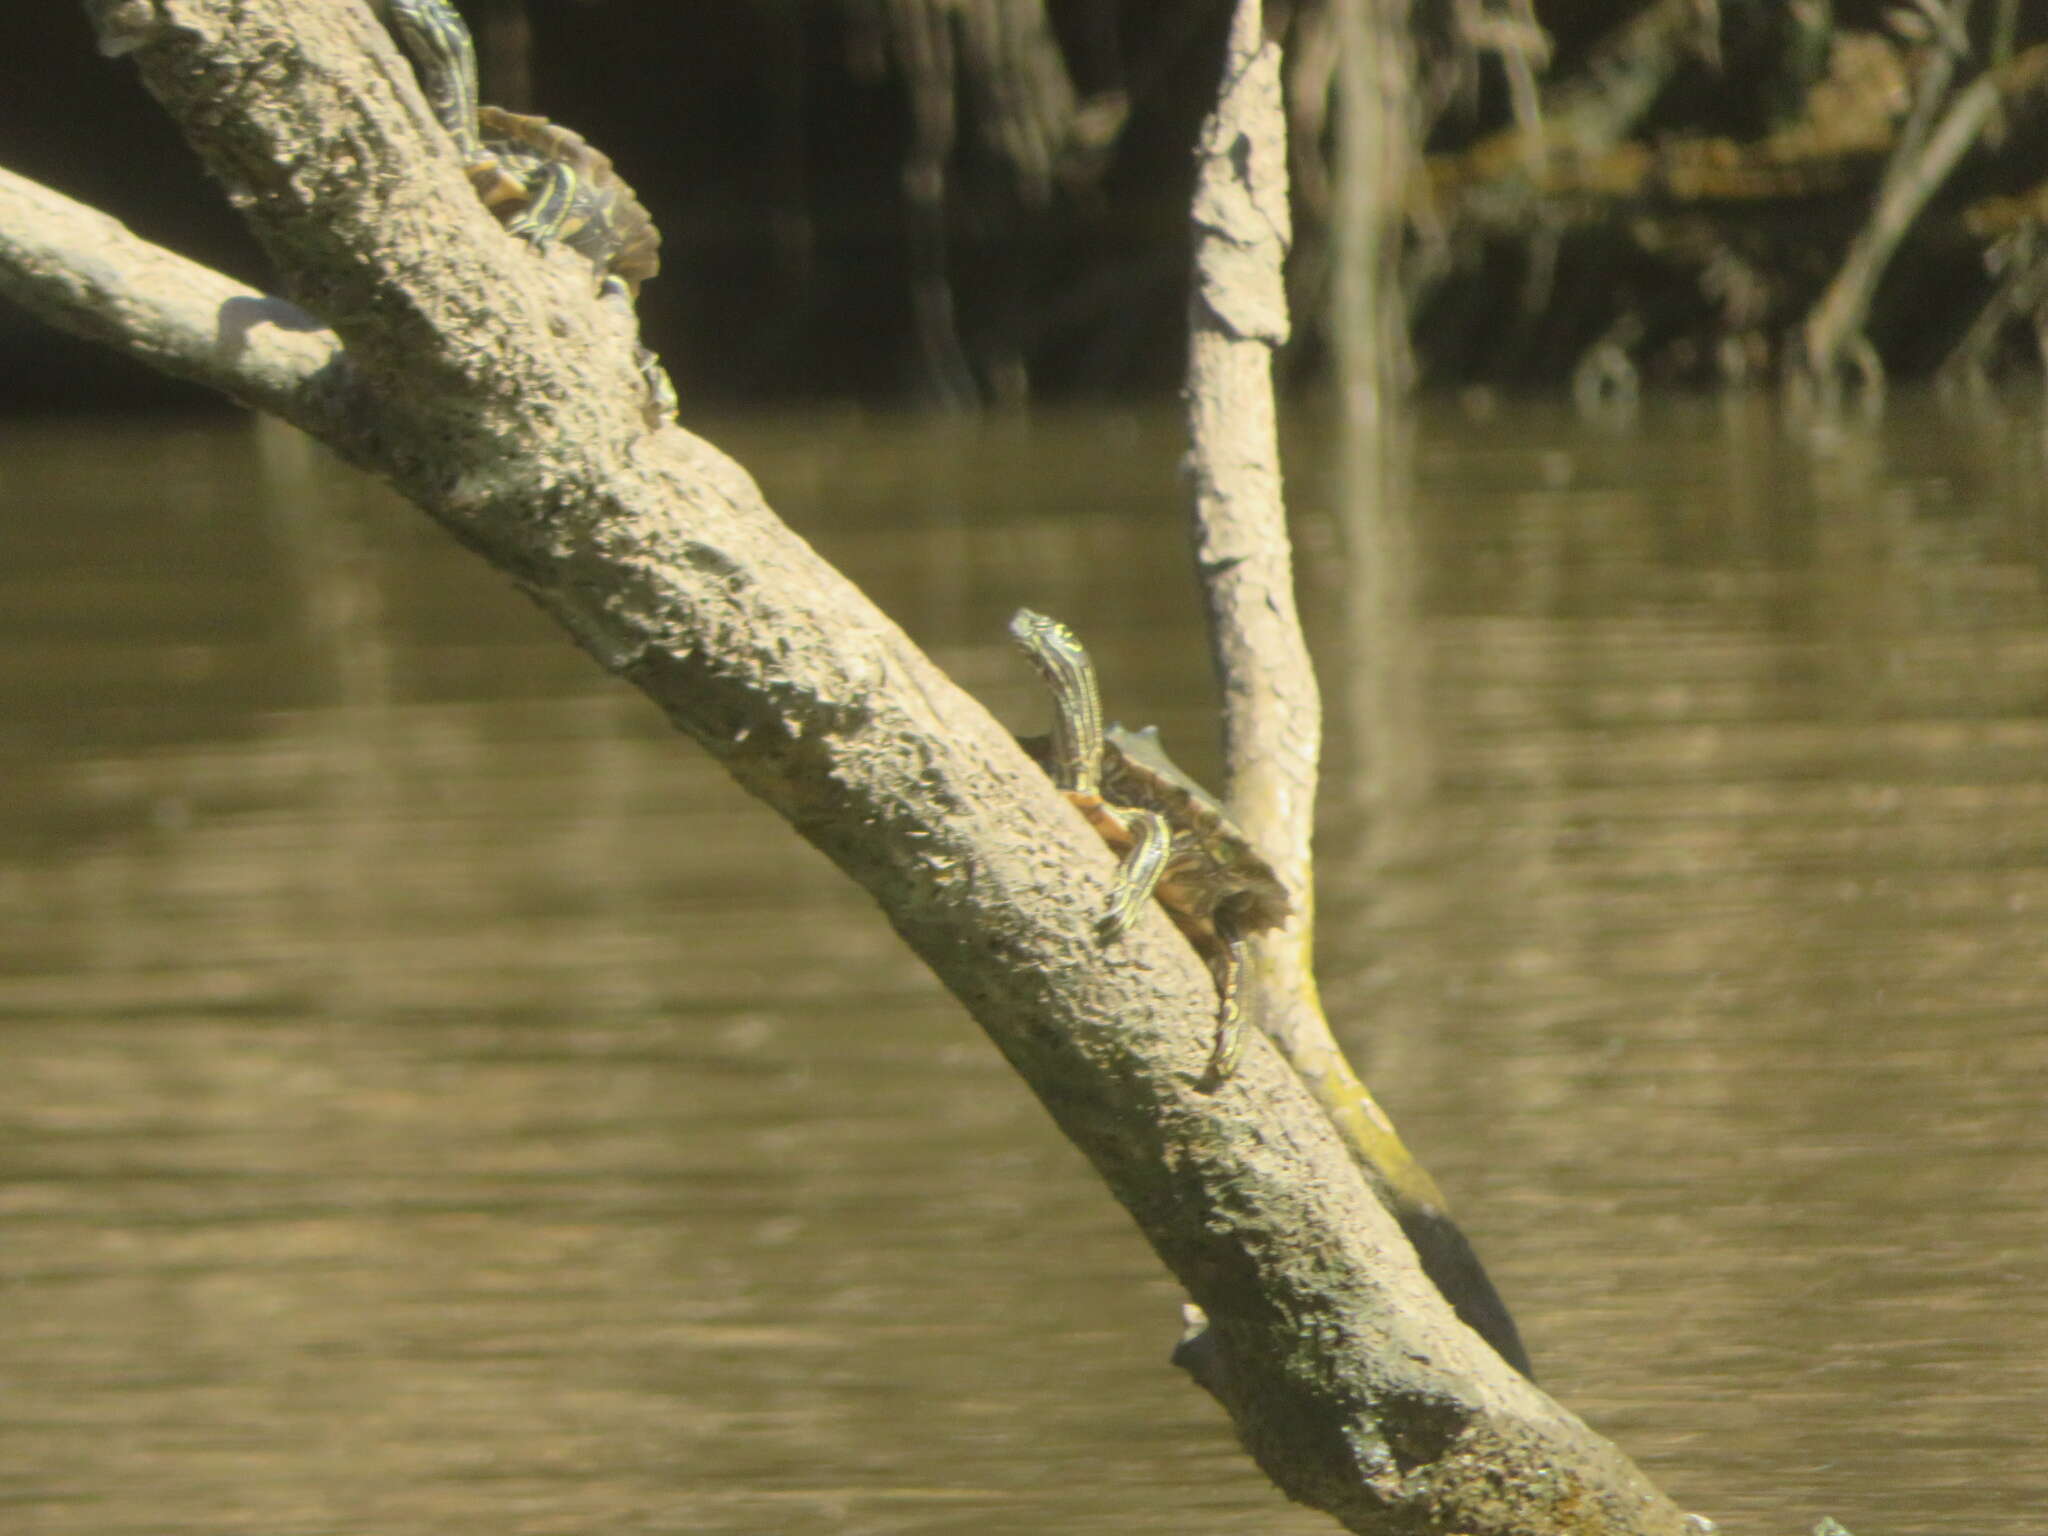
497	391
1238	315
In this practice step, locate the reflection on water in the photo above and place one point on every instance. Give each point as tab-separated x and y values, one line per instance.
438	1102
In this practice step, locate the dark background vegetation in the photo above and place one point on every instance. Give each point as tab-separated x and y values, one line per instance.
770	139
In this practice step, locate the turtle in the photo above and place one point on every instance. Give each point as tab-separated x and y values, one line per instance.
1176	841
547	184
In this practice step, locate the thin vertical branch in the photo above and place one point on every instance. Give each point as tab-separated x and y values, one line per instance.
1238	315
1272	710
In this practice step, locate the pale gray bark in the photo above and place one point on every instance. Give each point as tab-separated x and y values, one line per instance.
1238	315
495	389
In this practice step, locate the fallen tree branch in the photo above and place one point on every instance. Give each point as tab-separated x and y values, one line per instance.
496	390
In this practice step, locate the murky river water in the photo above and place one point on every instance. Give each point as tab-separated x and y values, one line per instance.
434	1100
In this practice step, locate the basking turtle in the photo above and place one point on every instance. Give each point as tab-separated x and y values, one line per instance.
1177	843
546	183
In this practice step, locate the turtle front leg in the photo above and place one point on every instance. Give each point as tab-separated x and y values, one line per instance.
550	209
1138	877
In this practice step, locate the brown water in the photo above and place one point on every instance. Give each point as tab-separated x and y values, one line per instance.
435	1101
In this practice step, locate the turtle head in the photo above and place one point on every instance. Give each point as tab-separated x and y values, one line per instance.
1036	633
1055	650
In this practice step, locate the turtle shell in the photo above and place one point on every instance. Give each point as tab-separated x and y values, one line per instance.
1213	872
609	225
